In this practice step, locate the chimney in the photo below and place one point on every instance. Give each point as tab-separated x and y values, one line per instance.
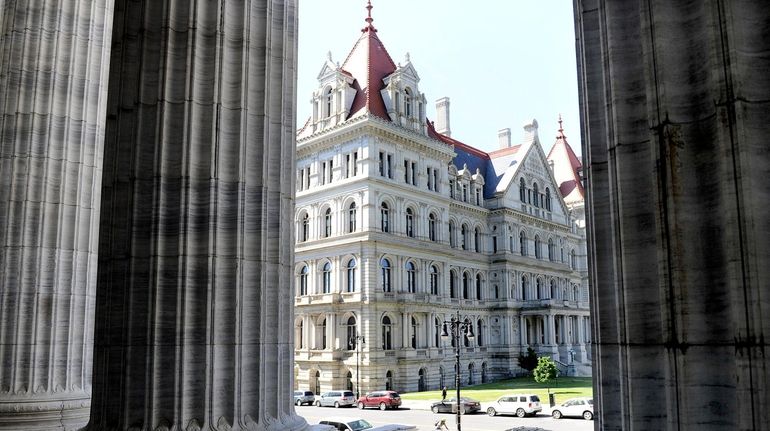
504	138
530	131
442	116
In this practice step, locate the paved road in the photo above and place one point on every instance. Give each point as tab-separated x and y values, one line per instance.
424	419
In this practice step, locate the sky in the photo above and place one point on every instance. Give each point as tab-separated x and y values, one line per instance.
502	63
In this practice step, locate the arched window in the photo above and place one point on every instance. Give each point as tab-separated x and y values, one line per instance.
522	190
484	372
351	275
464	237
413	335
327	278
523	243
327	223
575	293
572	260
303	280
551	250
389	381
539	288
553	289
548	199
466	286
536	195
387	342
432	227
470	373
386	286
437	332
524	288
411	277
350	381
466	339
452	240
328	102
477	240
409	223
433	280
479	333
316	382
352	217
537	247
322	328
305	228
452	284
385	217
352	332
478	286
407	103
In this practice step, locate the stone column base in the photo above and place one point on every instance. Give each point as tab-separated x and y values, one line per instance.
42	415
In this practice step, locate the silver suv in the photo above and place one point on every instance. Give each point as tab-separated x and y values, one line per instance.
336	399
304	397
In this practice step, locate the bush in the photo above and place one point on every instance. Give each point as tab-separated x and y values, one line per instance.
528	361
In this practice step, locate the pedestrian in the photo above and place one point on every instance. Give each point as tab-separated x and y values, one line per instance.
443	394
441	425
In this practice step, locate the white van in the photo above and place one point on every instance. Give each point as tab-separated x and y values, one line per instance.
516	404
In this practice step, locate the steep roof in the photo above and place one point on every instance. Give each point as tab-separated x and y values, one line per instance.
369	63
566	166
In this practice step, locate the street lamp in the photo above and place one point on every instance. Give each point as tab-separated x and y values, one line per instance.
356	341
454	328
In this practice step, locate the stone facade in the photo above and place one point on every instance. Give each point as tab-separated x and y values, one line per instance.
399	227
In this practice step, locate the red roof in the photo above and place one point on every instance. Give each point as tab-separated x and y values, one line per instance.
369	63
454	142
504	151
565	168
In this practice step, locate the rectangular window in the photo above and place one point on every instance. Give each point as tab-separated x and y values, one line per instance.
347	166
382	164
323	173
414	173
435	180
355	163
331	166
478	197
430	179
465	193
406	171
494	244
300	179
307	177
390	166
451	189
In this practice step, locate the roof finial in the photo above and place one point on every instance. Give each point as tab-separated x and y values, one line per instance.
561	129
369	19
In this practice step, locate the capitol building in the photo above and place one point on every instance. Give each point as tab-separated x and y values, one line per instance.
400	227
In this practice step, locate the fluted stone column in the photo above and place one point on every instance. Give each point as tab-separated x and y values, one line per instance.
675	97
194	299
53	73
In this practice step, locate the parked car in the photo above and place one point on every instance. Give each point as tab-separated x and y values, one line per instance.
336	399
467	405
516	404
348	424
381	399
304	397
575	407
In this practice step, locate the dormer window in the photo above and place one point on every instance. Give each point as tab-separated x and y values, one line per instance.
407	103
328	102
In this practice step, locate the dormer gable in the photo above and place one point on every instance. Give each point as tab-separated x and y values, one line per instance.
333	97
403	100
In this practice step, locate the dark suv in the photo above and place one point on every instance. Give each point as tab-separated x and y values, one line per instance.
381	399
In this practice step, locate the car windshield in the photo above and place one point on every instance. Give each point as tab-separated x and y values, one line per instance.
359	424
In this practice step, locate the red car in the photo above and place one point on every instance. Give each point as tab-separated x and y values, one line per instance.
382	399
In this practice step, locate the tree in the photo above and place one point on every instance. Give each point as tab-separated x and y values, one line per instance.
545	371
528	361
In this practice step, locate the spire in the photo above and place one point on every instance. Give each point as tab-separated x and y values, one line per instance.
369	19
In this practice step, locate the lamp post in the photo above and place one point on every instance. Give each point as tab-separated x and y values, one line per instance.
454	328
356	341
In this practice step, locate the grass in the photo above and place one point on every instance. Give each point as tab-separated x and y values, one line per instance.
563	387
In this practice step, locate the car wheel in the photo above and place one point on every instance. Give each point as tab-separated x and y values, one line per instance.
462	410
521	413
361	406
491	411
318	404
434	409
556	414
588	415
383	406
336	405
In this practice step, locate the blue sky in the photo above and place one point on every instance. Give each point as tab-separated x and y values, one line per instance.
501	62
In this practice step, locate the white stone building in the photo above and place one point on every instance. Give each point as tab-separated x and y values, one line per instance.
399	226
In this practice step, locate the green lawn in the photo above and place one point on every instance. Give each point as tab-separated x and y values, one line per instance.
564	388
